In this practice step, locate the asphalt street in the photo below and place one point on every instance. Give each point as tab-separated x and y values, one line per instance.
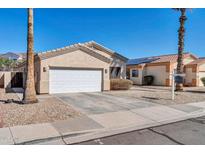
188	132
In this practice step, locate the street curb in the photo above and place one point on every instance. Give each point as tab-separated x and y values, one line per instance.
115	131
82	136
60	136
86	135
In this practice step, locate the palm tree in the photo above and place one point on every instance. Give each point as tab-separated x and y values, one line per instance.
29	92
181	32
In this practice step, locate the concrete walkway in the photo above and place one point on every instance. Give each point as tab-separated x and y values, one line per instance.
91	126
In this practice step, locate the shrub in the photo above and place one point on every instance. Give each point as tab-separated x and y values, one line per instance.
148	80
120	84
203	80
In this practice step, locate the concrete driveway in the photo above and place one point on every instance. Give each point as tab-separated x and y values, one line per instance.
102	102
111	110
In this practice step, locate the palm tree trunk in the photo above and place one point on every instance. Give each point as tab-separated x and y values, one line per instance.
30	93
181	31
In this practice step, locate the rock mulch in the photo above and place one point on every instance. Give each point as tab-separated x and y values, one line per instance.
162	95
48	109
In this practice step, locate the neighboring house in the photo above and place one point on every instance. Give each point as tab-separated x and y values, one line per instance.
160	67
82	67
194	72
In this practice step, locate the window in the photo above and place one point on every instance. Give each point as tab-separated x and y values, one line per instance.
135	73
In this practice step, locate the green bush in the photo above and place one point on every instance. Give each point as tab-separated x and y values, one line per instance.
120	84
203	80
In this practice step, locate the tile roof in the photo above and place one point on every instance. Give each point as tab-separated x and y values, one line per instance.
158	59
198	61
72	48
87	46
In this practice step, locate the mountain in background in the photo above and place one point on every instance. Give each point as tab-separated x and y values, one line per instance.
13	56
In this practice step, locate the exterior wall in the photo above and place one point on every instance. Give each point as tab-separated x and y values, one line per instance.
191	78
7	80
37	74
159	73
76	59
115	62
136	80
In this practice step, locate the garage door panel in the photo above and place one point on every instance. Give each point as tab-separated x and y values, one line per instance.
64	81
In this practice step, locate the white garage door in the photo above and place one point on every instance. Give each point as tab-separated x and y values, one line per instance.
66	81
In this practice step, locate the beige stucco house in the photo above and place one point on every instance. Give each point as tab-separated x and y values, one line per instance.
82	67
162	67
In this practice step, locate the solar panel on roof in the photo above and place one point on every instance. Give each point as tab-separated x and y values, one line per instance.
141	61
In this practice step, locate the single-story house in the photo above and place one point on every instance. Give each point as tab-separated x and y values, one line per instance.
82	67
161	68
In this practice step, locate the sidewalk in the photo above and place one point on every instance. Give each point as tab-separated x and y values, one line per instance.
89	127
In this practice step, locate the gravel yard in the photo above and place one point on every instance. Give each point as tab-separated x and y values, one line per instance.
162	95
49	109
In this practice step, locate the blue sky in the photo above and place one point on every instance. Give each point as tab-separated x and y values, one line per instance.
131	32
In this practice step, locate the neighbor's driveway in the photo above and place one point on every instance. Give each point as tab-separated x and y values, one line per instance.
99	103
